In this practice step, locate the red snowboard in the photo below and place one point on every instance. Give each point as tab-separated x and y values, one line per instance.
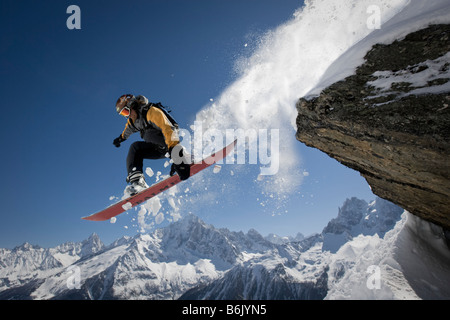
157	188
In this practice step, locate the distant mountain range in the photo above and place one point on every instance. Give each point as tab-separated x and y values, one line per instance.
190	259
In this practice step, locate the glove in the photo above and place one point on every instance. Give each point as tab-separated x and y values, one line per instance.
117	141
183	170
181	163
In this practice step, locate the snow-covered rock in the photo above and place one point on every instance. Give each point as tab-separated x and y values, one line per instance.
412	261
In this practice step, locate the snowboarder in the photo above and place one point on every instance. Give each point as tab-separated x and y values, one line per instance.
159	132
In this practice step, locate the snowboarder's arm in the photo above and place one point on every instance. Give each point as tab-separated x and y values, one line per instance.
159	119
128	131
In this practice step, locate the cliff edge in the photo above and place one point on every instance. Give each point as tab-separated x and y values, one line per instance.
391	122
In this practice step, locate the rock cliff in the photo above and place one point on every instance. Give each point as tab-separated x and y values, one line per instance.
391	122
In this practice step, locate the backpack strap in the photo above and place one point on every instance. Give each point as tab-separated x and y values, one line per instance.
165	111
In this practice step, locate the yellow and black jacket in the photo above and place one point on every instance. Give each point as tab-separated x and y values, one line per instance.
154	125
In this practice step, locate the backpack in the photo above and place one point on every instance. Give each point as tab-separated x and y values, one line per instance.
166	112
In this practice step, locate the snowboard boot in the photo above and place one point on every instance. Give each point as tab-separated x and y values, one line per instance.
137	183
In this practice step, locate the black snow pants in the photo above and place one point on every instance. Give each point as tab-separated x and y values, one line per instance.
141	150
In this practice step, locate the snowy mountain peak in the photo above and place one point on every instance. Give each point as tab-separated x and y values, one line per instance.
91	245
357	217
26	247
350	214
192	235
276	239
190	259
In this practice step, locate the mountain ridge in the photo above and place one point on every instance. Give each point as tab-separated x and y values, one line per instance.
190	259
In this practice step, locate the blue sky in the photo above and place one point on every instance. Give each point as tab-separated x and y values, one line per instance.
59	87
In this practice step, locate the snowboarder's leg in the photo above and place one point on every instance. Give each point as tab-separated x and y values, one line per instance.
139	151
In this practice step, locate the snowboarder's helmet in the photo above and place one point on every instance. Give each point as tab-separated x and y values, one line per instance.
124	101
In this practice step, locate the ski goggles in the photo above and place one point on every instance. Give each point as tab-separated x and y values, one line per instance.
125	112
